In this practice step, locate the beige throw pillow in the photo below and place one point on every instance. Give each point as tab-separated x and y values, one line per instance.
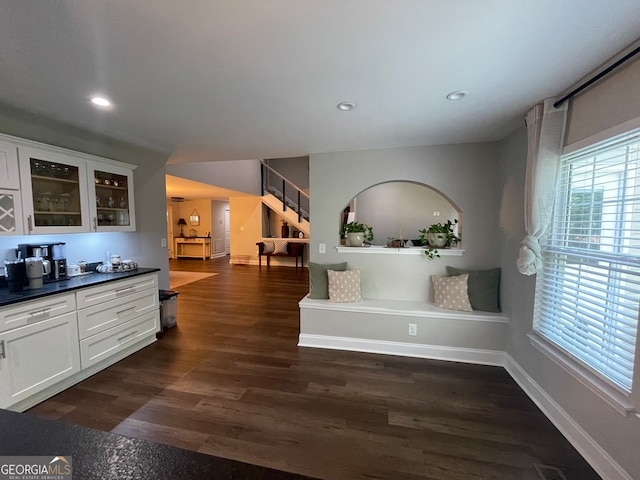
269	246
451	292
280	246
344	287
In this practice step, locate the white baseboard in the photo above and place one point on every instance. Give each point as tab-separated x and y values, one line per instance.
593	453
454	354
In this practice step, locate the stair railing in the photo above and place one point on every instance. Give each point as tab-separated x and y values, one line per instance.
290	195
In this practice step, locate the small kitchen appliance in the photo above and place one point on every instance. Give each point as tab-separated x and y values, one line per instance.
55	253
37	269
14	272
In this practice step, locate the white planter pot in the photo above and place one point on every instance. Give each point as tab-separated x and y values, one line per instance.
355	239
437	239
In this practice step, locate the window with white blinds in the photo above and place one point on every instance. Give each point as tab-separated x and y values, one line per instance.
589	288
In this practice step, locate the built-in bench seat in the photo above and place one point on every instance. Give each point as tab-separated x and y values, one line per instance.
382	326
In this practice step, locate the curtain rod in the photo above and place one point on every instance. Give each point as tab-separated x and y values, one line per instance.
597	77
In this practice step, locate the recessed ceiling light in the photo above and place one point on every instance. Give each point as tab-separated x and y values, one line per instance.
100	101
346	106
457	95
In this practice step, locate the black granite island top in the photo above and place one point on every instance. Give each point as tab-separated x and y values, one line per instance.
109	456
68	285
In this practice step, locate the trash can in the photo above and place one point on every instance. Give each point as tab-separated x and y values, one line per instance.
168	308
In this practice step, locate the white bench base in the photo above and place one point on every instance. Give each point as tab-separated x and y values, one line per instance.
381	326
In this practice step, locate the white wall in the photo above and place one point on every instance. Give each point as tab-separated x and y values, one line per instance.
142	246
465	173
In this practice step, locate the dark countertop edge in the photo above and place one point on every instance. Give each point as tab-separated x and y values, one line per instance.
69	285
111	456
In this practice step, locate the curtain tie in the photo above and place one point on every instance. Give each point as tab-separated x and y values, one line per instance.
530	257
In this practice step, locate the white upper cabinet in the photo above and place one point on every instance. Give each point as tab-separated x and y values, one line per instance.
9	177
50	190
111	198
54	191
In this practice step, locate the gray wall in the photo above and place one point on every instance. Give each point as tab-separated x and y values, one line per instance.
240	175
142	246
465	173
617	434
295	169
609	104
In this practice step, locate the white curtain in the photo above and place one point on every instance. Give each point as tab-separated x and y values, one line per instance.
545	137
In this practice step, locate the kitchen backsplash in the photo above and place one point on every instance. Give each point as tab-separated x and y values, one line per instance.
90	247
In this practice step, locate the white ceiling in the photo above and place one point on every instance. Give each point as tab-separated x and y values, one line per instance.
242	79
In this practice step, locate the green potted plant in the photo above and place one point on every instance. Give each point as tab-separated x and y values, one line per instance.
358	233
439	235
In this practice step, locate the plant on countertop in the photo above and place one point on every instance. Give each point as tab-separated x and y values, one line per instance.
358	228
438	235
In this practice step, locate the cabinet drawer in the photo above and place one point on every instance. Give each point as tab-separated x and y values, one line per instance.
109	314
35	357
26	313
109	342
115	290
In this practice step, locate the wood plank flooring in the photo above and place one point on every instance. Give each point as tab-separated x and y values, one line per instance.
230	381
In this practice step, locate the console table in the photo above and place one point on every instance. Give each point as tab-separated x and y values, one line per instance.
193	247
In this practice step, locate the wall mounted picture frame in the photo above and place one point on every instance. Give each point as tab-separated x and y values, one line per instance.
194	218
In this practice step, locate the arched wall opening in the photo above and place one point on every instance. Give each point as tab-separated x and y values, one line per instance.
398	209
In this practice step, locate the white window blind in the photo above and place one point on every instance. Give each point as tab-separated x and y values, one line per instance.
589	288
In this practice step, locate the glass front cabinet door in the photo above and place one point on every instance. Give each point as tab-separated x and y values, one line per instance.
111	197
54	192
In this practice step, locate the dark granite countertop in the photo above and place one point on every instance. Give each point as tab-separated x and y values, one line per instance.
108	456
68	285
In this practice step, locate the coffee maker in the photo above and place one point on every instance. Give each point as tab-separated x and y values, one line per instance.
54	252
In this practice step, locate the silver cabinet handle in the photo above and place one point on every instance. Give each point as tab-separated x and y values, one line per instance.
95	224
128	335
3	354
29	223
44	313
125	291
131	309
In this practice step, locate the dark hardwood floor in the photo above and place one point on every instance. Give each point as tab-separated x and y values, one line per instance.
230	381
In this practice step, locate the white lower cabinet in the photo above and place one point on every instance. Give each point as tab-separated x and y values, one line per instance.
109	342
49	344
106	315
36	356
116	315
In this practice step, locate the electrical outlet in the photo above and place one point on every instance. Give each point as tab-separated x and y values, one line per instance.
163	242
413	329
436	214
322	248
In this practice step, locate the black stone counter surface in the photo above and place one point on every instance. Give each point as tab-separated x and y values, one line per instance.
108	456
70	284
